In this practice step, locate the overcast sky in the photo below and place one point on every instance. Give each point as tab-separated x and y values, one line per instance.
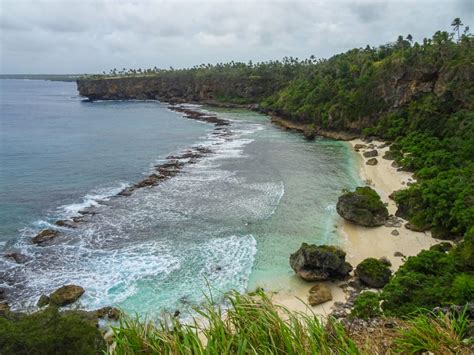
85	36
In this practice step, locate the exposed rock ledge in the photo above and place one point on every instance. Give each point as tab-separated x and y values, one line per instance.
302	127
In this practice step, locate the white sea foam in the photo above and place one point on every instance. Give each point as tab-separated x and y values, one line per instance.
330	208
93	199
157	249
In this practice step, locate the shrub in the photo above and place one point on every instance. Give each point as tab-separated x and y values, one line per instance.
366	305
49	332
430	279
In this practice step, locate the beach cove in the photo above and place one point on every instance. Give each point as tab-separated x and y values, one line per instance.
231	218
361	242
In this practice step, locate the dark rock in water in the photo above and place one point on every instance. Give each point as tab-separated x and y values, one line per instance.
318	294
65	223
395	232
317	263
66	295
443	247
43	301
44	236
176	314
126	192
374	273
151	180
363	206
370	153
372	161
309	132
18	257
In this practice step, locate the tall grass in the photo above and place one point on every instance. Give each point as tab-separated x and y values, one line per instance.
436	333
250	325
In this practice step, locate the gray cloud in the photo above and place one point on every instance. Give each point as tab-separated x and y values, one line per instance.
77	36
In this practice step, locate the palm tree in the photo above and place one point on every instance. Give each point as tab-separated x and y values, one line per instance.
457	25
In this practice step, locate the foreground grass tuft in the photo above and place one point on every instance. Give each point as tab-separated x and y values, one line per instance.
436	333
250	325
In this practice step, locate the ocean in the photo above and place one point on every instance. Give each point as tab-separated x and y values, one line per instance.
229	221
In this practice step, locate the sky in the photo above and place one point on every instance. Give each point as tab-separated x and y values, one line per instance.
90	36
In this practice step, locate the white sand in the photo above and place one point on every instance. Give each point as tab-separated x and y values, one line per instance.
362	242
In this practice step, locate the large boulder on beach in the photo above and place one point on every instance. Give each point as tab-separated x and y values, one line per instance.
359	146
374	272
318	294
370	153
66	295
362	206
320	262
44	236
371	161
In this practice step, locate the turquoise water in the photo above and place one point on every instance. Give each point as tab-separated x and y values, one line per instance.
229	221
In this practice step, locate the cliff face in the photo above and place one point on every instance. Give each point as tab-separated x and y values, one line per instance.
177	88
392	88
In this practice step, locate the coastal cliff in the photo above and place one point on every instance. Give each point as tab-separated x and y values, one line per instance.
392	89
178	87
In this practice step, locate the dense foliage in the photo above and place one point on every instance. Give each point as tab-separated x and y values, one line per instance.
366	305
432	278
49	332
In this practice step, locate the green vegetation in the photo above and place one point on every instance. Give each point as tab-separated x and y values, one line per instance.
49	332
373	272
251	325
254	325
369	198
432	278
366	305
436	333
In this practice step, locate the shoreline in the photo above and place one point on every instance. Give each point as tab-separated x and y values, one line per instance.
302	127
362	242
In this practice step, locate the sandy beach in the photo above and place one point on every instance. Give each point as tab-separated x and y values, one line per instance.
362	242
